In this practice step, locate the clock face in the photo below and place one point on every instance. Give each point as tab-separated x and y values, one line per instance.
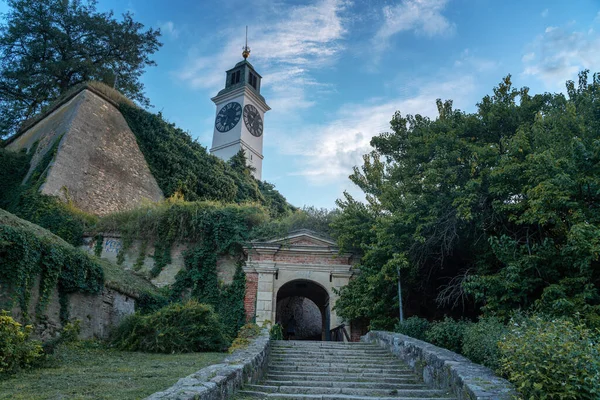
228	116
253	120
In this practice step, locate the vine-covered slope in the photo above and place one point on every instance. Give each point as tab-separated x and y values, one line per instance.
182	165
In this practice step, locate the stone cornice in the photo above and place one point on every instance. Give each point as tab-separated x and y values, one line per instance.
238	141
244	89
334	269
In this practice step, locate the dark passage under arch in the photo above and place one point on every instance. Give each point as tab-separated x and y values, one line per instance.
290	303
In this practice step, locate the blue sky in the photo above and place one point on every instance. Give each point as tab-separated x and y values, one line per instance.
334	71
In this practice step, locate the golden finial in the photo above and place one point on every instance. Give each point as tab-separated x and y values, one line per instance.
246	49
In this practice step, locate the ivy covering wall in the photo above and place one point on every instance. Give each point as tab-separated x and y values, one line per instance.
27	254
211	229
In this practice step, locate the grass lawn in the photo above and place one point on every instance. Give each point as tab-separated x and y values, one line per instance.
87	372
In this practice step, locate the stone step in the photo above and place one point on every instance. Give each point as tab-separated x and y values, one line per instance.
338	354
322	344
413	392
374	353
336	363
349	356
318	343
339	361
346	384
351	369
286	396
376	378
361	374
301	370
350	346
321	356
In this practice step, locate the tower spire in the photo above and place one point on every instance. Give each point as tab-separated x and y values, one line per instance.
246	49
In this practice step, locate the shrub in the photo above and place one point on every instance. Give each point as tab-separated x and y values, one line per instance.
148	303
447	334
480	342
68	334
276	332
17	351
176	328
556	359
414	327
249	331
239	343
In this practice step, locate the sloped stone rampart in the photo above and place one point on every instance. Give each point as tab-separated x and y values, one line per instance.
221	381
98	165
444	369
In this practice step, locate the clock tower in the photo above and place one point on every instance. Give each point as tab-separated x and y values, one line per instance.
240	115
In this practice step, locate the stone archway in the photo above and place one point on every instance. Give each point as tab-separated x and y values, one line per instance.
302	256
308	303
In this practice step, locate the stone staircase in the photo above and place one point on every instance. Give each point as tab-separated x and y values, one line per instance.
335	371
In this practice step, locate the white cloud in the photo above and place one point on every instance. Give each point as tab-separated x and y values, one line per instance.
423	17
168	28
545	13
528	57
559	54
475	63
326	153
287	50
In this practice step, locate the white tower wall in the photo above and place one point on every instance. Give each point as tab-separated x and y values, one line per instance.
227	144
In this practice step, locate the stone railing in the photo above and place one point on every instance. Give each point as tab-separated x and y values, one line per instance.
220	381
444	369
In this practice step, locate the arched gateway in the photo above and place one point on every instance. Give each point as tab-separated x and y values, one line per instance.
302	265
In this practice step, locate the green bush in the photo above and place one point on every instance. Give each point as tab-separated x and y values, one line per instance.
176	328
276	332
17	351
243	339
552	359
148	303
68	334
447	334
249	331
414	327
480	342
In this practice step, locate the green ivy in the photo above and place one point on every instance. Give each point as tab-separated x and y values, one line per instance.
211	229
98	242
24	256
13	167
24	200
182	166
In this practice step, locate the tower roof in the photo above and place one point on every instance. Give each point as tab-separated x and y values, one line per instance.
245	72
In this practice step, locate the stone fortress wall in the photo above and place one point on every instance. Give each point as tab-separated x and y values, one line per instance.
112	245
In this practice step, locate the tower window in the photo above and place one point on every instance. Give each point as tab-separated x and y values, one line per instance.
235	77
253	80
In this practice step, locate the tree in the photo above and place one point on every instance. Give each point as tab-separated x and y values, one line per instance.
49	46
495	211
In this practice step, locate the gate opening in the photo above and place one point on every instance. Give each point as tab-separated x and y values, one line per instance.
303	310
